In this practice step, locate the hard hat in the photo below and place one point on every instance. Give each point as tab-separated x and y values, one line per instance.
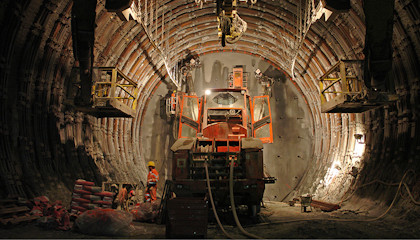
151	164
174	90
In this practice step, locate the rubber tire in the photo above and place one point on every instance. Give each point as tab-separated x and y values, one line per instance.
223	40
253	210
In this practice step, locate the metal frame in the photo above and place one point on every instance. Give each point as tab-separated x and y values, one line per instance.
106	97
354	96
349	84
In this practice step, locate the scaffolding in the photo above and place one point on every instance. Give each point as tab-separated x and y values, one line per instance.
343	91
113	94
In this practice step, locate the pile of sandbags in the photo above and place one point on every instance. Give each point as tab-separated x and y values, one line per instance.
88	196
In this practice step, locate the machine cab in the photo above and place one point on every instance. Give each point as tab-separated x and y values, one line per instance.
226	114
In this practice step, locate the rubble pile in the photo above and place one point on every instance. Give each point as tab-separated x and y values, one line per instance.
109	222
88	196
146	212
51	216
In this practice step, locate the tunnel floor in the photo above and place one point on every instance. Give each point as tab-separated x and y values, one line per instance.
276	220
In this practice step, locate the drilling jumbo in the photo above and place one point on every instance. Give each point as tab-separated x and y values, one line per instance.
224	127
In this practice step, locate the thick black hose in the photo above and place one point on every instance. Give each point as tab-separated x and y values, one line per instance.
232	204
212	203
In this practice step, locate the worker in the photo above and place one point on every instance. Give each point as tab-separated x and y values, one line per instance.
152	180
131	198
131	194
173	100
122	198
114	190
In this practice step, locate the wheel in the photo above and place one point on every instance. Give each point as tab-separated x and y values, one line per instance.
253	210
223	40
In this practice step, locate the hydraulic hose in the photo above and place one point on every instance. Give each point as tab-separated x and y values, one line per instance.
232	204
212	203
364	185
411	195
385	183
360	220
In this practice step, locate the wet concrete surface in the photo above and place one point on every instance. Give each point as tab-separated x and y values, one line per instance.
276	220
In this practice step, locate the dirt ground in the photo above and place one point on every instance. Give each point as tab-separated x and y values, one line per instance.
276	220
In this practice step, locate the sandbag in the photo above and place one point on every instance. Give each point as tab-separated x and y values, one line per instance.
84	182
80	200
107	222
156	205
91	197
81	191
92	189
102	202
104	194
145	212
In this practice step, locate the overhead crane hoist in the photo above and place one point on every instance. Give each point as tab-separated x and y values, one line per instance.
230	26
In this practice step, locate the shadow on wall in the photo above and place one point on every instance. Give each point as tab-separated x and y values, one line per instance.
157	134
54	174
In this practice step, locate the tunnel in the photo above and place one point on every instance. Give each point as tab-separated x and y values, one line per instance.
46	143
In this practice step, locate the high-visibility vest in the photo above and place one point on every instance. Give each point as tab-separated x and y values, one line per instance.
153	177
173	101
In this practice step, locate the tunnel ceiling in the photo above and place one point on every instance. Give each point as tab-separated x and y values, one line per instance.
37	61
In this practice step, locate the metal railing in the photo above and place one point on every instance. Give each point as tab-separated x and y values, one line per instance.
112	84
341	82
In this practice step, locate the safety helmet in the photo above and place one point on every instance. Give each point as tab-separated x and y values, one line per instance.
151	164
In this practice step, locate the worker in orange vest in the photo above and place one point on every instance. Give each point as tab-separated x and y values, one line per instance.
173	100
152	179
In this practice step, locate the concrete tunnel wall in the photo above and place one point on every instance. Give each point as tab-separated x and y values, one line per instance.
45	145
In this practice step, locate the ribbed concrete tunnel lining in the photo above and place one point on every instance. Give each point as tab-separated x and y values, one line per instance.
41	135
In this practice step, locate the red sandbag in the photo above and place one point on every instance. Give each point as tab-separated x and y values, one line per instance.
84	182
76	195
137	215
41	200
81	200
144	212
91	197
102	202
104	194
82	192
74	211
90	205
78	187
92	189
156	205
81	209
36	210
108	199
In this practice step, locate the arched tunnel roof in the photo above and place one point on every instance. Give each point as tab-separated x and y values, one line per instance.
37	58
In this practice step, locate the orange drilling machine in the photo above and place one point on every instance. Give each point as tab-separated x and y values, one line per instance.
224	127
